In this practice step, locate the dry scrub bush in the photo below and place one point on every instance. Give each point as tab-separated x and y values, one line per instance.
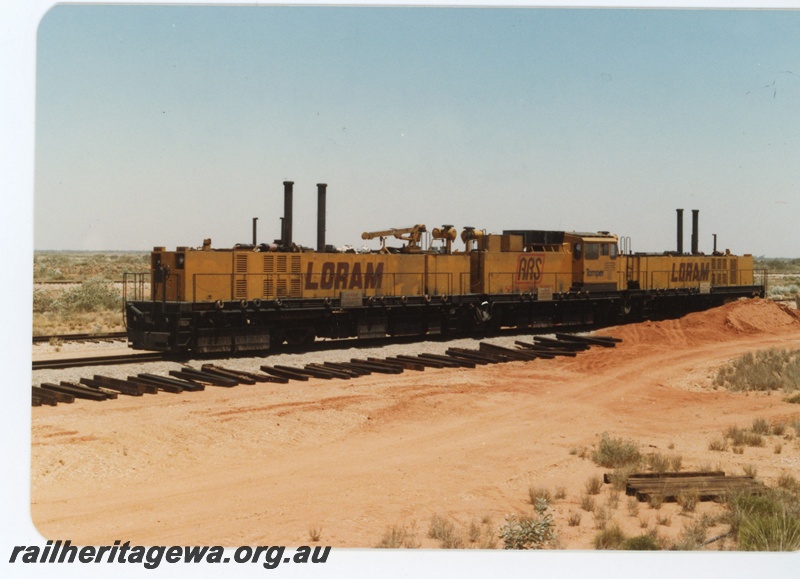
789	483
536	493
633	507
602	515
766	370
741	437
398	537
616	452
688	500
660	463
76	266
646	542
761	426
444	531
619	477
613	499
611	537
691	538
718	445
593	485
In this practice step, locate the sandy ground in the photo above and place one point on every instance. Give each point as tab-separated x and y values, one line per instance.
269	464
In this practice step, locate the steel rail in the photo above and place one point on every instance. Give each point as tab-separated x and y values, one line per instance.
98	337
96	361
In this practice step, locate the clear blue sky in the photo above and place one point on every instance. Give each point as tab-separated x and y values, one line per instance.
164	125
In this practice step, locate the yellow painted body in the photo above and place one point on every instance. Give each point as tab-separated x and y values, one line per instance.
500	265
690	271
210	275
494	264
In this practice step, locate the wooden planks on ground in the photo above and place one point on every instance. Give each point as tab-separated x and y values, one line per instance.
706	485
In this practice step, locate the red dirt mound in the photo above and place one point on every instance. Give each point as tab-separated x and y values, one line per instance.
742	317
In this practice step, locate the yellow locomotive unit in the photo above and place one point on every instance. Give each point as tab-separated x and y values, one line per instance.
254	297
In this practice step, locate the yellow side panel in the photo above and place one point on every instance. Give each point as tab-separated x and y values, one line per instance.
690	271
327	275
514	272
207	275
447	274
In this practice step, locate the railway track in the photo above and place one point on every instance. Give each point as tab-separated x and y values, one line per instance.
188	378
97	361
93	337
318	346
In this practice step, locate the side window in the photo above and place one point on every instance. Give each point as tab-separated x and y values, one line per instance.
613	248
577	251
592	251
604	249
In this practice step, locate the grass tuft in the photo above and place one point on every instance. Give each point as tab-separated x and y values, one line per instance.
616	452
646	542
398	537
611	537
593	485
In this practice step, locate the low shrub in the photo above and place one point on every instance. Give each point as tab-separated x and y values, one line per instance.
529	532
536	493
688	500
761	426
445	532
718	445
772	369
646	542
611	537
778	532
397	537
593	485
616	452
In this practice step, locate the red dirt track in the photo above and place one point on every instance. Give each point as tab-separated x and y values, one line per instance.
264	464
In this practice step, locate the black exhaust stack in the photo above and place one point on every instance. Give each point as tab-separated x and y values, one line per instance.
680	231
255	220
321	216
286	228
695	231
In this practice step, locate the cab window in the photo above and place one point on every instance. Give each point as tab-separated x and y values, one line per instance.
592	251
577	251
613	250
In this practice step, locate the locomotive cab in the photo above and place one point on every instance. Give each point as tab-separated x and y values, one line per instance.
595	263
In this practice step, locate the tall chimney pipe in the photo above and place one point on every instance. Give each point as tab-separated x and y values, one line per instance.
255	220
680	230
321	215
695	231
287	213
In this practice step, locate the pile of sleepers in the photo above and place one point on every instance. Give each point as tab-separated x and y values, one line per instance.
706	485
